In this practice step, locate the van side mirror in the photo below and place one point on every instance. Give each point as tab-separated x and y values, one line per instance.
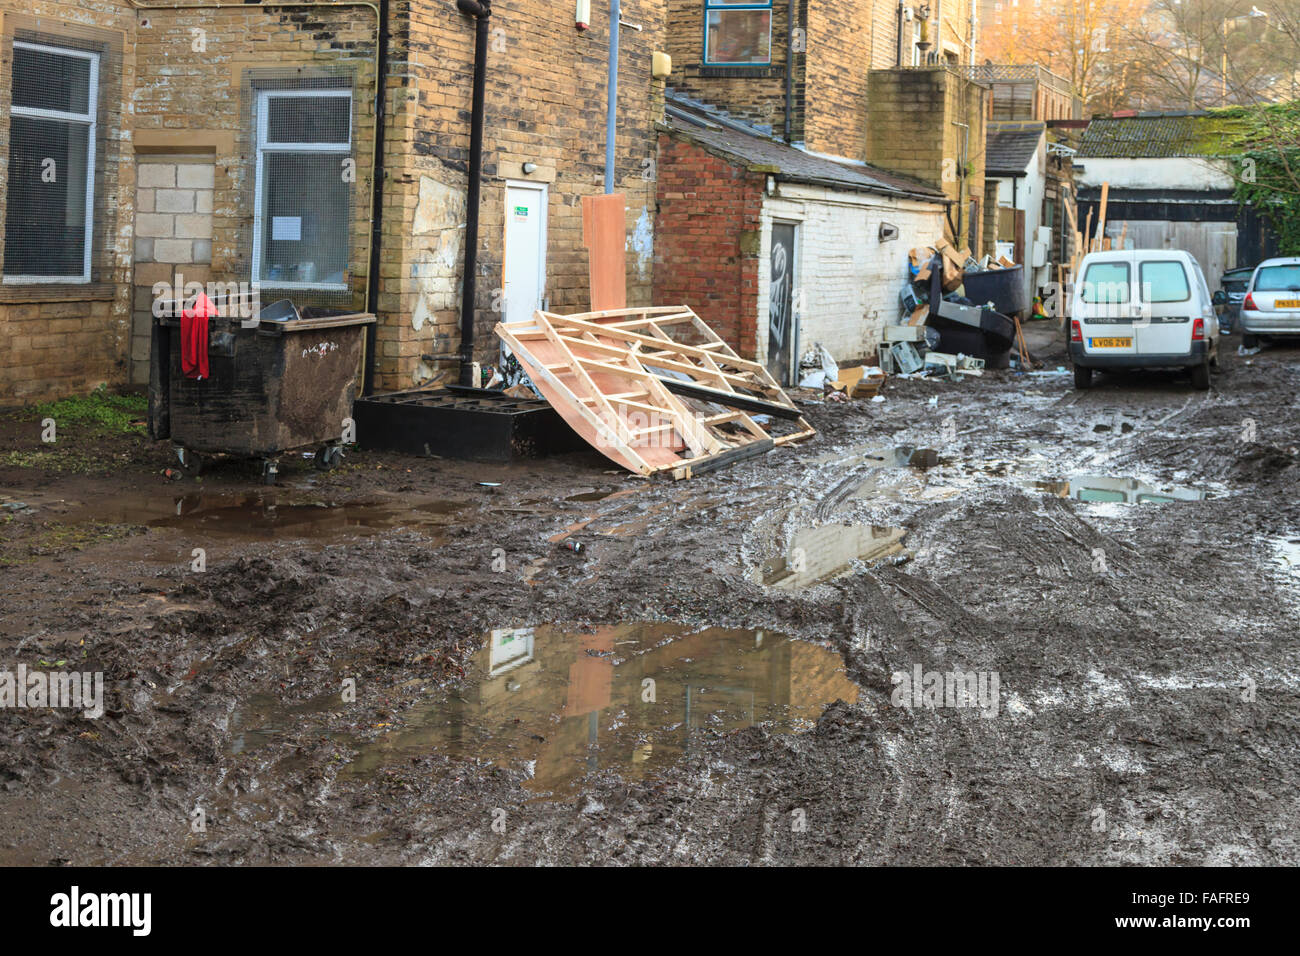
1220	298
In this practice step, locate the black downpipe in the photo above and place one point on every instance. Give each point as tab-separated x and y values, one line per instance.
789	73
376	200
482	10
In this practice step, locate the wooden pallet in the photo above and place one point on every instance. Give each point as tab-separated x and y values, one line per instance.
610	375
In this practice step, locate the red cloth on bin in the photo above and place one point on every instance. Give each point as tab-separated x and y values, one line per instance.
194	337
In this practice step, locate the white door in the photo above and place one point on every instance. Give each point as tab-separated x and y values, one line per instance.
525	253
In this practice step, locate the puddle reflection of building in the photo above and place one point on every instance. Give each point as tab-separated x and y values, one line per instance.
557	701
1100	489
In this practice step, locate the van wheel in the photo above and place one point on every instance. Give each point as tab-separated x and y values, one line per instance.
1249	341
1201	376
1082	377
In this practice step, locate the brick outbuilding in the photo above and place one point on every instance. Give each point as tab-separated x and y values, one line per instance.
779	249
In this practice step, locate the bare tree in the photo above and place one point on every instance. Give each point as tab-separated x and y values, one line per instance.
1200	53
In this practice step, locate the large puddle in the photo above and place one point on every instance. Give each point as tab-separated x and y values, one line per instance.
559	704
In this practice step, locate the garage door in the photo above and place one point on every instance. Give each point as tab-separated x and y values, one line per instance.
1212	244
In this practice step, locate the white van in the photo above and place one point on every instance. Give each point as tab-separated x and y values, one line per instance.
1142	308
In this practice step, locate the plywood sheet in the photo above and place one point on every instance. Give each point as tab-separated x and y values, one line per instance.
604	233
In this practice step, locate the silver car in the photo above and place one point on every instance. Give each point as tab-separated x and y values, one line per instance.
1272	305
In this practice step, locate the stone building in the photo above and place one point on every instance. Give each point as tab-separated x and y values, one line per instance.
144	149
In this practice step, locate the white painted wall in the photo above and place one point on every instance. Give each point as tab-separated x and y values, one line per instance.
1027	193
848	279
1171	173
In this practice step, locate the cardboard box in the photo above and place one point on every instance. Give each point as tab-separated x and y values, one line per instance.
860	382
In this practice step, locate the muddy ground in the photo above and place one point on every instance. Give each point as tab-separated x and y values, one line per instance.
1146	654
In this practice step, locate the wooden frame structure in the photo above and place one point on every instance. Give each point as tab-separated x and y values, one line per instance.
611	376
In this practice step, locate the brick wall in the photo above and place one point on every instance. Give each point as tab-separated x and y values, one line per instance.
173	238
57	339
195	98
913	131
755	94
840	43
708	245
848	281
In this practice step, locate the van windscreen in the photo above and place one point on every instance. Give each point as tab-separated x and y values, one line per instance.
1278	279
1106	283
1164	282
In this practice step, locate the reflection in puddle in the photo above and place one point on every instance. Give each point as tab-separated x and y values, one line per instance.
894	473
825	552
1103	489
264	515
631	698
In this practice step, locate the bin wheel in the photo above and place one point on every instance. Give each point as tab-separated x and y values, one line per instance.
270	471
329	457
191	461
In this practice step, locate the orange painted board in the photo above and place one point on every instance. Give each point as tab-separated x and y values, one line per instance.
604	233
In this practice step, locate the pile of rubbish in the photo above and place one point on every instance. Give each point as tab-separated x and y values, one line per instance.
958	315
818	369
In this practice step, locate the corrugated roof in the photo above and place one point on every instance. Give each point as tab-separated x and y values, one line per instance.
747	146
1010	146
1155	136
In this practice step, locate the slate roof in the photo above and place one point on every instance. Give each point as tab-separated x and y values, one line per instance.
1008	147
748	146
1155	136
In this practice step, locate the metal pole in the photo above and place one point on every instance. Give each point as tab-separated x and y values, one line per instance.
611	110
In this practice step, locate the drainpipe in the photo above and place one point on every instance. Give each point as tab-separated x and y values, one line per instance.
898	58
611	107
482	11
376	200
789	73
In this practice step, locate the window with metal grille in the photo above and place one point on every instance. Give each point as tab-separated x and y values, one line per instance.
303	188
51	182
737	32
